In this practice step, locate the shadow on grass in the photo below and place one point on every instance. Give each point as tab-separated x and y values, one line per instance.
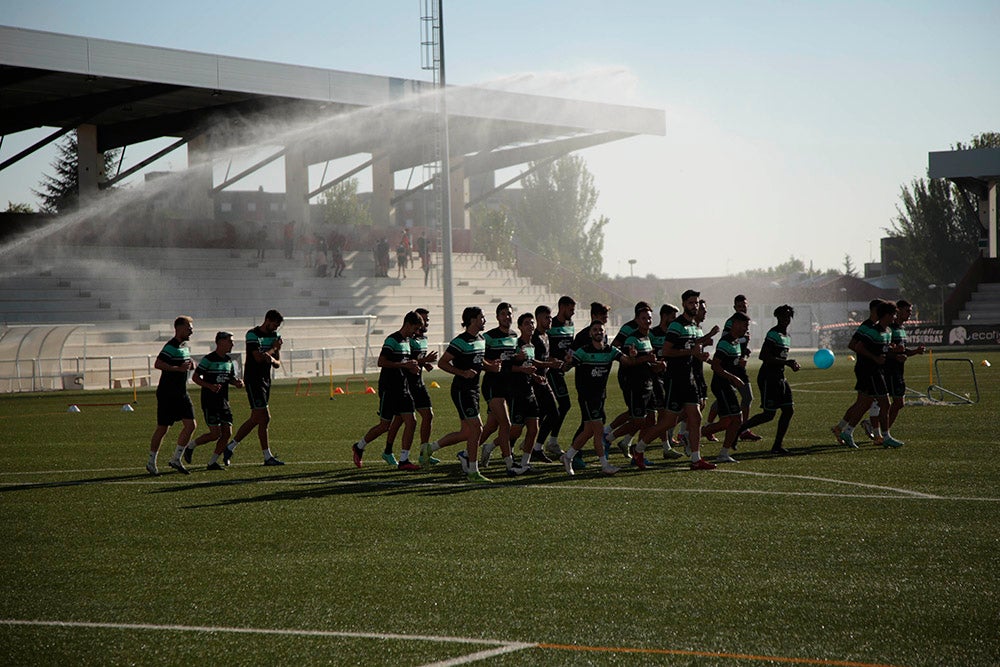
29	486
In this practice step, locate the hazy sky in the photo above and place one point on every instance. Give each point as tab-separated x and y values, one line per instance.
791	126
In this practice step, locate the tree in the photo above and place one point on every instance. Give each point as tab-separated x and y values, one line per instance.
555	220
793	266
342	206
18	208
940	231
493	235
849	269
61	192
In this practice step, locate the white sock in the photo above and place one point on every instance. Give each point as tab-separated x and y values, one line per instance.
404	455
725	452
627	440
152	458
695	456
571	453
177	452
473	465
604	461
214	459
361	444
525	460
682	429
191	445
435	446
508	461
232	445
640	446
847	429
842	424
874	410
267	454
537	447
553	440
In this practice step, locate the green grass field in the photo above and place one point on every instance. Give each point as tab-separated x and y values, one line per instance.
833	556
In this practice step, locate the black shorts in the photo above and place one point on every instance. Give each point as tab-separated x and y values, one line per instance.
258	393
659	394
870	382
592	408
896	384
727	399
217	414
523	406
775	393
172	408
466	399
495	387
680	392
557	380
421	397
639	399
394	401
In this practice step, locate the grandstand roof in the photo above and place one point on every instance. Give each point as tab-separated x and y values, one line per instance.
134	93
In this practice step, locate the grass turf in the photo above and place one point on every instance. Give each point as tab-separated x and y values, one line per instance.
870	556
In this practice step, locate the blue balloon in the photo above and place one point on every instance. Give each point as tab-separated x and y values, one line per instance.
823	358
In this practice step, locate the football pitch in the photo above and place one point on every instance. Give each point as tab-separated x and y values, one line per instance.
828	557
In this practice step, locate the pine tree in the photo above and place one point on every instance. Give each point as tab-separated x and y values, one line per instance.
60	193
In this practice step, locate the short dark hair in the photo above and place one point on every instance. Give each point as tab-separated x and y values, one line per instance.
875	302
274	316
422	312
542	310
668	308
182	320
470	313
503	305
566	301
885	308
223	335
524	316
740	317
641	306
738	298
903	303
598	308
688	294
413	318
784	311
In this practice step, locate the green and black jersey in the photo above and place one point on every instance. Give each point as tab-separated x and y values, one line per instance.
682	334
728	352
638	374
898	337
778	344
541	343
875	340
522	381
627	330
418	350
396	349
258	340
218	369
592	369
174	353
467	352
561	335
744	340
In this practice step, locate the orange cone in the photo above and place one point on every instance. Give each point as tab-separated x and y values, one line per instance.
369	390
338	390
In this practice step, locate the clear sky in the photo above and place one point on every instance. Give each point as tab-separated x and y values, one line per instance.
791	126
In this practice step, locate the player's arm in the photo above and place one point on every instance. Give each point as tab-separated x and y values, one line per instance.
446	364
723	373
162	364
769	357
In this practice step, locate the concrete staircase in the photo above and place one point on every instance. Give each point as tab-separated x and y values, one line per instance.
982	308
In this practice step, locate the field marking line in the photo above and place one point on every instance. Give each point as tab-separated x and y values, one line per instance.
266	631
481	655
907	492
711	654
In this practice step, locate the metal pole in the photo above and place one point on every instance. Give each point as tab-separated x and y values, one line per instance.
449	293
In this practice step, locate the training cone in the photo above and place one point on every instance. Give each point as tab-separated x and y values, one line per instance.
127	408
435	385
73	408
985	362
338	390
369	390
851	357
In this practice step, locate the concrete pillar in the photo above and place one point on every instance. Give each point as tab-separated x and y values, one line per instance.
296	186
994	221
198	179
90	163
483	182
459	198
383	187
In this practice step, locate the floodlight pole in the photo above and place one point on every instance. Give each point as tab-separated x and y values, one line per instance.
449	292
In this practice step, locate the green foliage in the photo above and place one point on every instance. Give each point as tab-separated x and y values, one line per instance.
493	235
940	231
19	208
342	206
60	192
793	266
849	269
555	219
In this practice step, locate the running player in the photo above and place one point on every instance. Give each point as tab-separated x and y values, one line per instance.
775	392
623	424
548	407
741	306
394	397
637	379
726	381
895	363
172	400
501	345
214	374
593	365
561	336
681	348
263	353
418	390
524	411
464	358
657	336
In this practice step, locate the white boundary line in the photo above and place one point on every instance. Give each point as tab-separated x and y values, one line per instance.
501	646
169	479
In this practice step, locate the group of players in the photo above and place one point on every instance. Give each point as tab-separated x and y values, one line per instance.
521	374
520	371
